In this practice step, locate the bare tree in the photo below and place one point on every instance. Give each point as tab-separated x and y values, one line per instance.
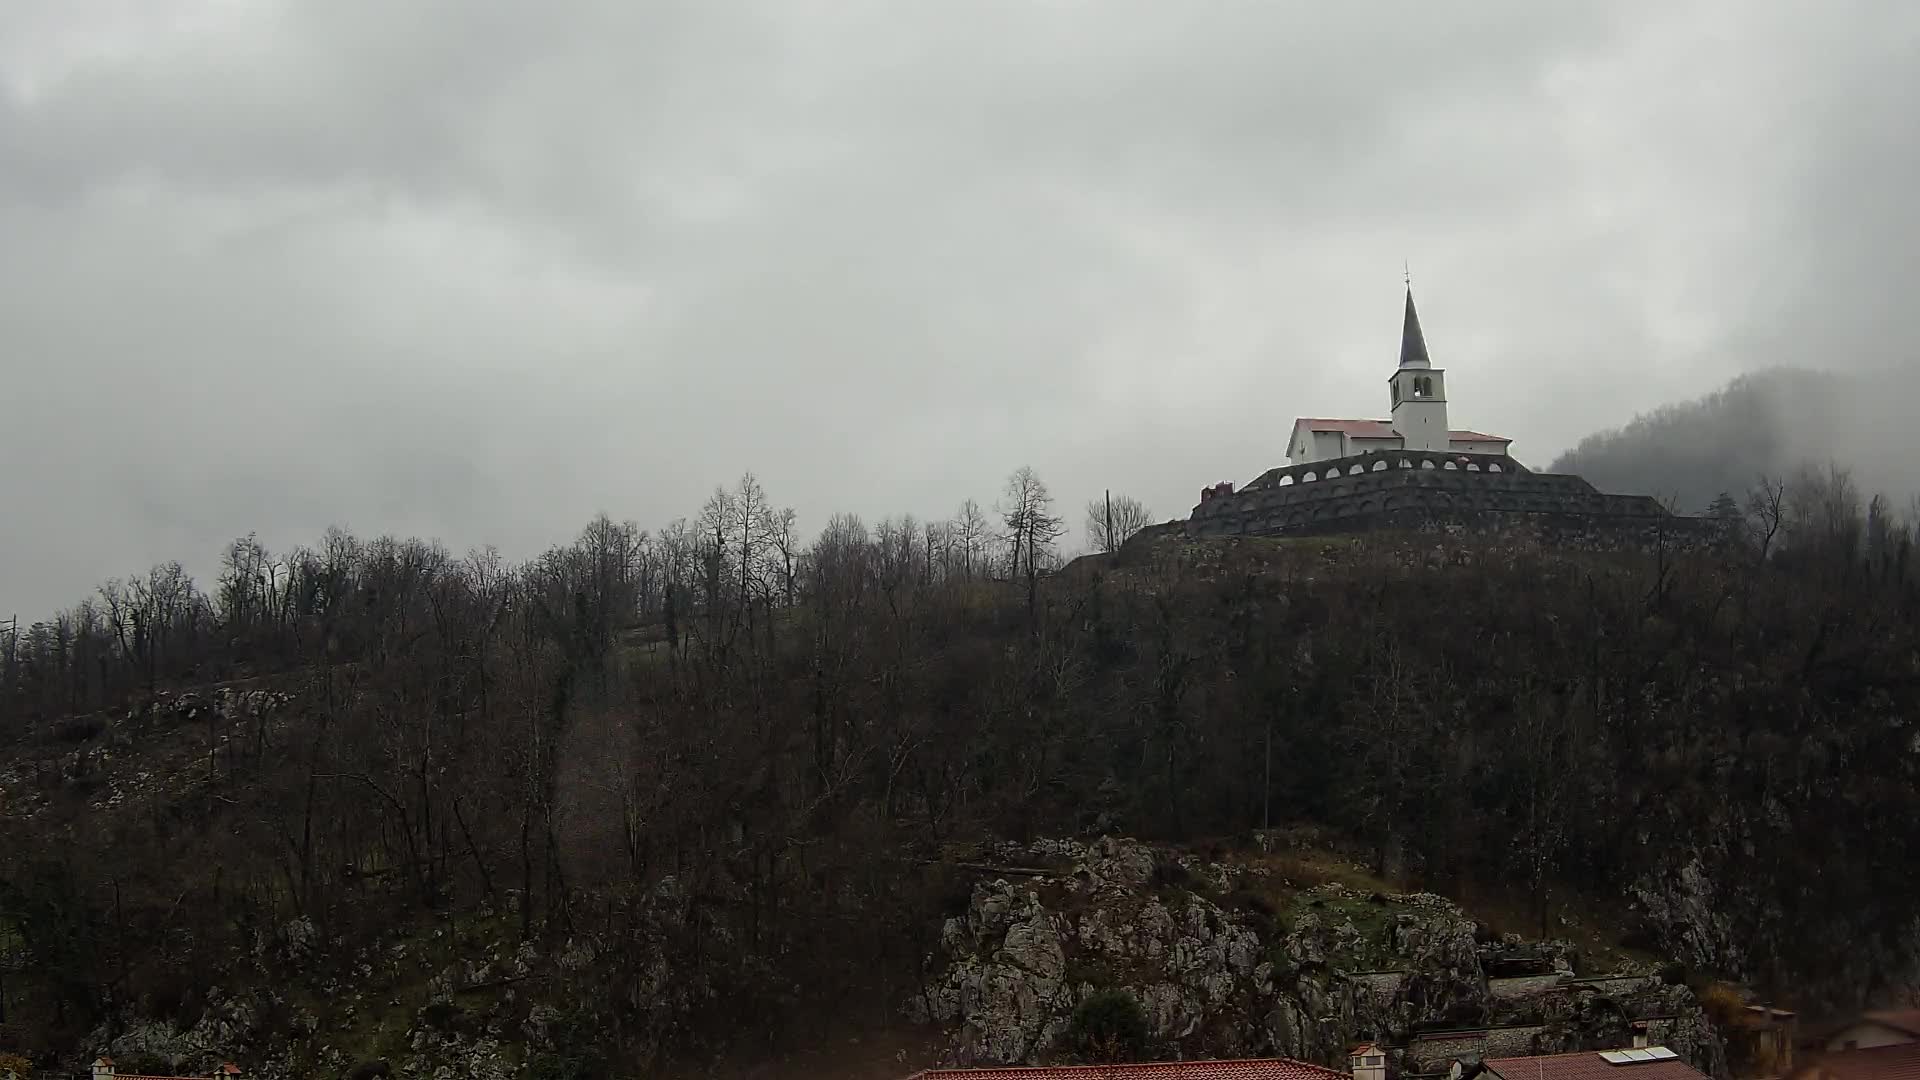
1031	527
1112	520
1824	518
1766	512
969	537
937	547
783	551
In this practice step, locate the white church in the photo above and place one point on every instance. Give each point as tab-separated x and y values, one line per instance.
1419	419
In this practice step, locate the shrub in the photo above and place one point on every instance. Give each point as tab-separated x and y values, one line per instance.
78	729
1254	901
16	1065
1108	1026
1168	873
561	1067
1722	1002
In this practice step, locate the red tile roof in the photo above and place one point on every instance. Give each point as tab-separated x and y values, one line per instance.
1589	1065
1247	1069
229	1069
1898	1062
1383	429
1359	429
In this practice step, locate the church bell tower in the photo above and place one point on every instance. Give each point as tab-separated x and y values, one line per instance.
1419	390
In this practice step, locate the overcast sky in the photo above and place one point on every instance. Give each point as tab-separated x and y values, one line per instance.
477	270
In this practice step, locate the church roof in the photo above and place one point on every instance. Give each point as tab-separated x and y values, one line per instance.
1413	344
1383	429
1359	429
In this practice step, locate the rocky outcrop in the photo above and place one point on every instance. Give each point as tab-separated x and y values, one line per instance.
1225	961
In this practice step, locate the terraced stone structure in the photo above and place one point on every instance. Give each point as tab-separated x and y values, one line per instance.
1384	489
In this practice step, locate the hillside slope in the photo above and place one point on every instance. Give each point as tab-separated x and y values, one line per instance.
492	841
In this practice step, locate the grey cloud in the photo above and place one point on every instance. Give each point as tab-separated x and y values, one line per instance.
479	269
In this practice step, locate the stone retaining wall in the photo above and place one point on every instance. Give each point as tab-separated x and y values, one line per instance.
1519	987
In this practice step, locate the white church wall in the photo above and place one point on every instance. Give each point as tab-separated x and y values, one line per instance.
1423	425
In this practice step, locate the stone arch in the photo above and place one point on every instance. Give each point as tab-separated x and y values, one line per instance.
1426	463
1380	465
1473	466
1449	464
1356	470
1285	481
1405	464
1309	477
1493	466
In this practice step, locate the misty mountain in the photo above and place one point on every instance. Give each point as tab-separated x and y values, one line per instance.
1765	423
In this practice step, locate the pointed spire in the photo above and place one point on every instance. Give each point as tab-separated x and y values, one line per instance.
1413	344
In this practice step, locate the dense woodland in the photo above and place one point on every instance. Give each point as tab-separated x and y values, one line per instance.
785	730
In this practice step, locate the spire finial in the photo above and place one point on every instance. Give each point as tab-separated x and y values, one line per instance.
1409	274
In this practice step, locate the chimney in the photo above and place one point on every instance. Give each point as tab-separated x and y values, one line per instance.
1367	1062
103	1068
1639	1034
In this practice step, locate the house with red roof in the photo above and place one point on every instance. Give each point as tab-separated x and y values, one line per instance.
103	1070
1880	1027
1418	421
1637	1063
1893	1061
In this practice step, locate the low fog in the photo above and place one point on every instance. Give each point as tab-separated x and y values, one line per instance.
1762	427
478	271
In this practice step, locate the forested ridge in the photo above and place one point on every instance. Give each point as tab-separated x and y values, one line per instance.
1767	423
734	758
